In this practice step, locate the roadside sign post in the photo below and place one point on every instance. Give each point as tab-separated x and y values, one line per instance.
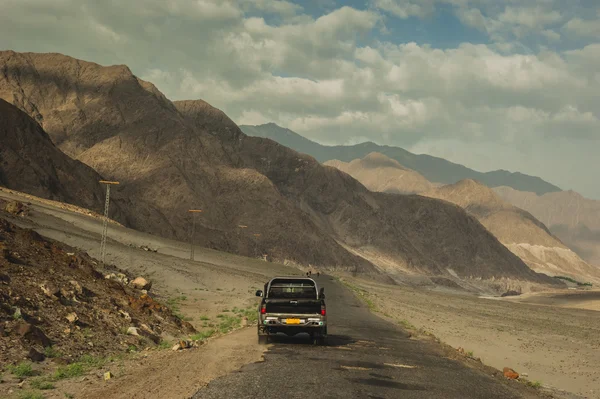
193	212
105	221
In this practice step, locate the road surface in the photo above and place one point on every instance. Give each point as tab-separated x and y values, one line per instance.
365	357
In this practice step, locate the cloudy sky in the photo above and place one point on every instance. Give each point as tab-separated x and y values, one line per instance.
491	84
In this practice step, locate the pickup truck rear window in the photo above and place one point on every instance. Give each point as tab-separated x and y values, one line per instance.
292	289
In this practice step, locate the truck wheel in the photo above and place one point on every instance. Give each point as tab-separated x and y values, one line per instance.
263	339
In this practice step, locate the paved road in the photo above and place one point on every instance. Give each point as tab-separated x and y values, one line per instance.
366	357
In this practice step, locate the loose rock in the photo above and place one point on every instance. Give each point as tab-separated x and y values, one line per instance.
72	317
132	331
510	373
141	284
32	334
35	356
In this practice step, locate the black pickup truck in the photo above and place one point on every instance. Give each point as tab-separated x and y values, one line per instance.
292	305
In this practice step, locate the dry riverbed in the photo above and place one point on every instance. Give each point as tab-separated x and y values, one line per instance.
552	346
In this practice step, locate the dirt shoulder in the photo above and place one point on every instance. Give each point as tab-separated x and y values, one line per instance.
166	374
554	347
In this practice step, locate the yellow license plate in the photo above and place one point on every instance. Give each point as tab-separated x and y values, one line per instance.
292	321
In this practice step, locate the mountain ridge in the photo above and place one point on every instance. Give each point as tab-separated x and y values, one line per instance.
434	169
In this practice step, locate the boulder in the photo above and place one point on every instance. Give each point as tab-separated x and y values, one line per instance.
4	278
35	356
72	317
510	373
125	314
14	207
33	334
147	332
77	287
141	284
50	290
132	331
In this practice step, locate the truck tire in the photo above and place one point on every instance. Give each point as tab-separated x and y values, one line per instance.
263	339
318	339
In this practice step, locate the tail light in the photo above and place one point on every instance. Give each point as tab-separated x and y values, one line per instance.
263	309
323	311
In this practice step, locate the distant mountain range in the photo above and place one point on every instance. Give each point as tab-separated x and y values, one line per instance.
435	170
517	229
570	216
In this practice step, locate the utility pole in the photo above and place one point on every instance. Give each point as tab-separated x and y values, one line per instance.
256	243
193	212
105	222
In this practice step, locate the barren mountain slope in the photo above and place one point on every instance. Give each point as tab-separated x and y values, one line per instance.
380	173
395	232
30	162
516	229
194	156
522	233
570	216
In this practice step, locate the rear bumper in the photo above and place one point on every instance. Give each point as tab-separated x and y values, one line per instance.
273	324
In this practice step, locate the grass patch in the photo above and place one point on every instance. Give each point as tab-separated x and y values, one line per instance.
407	324
76	369
204	318
202	335
174	305
68	371
21	370
251	314
362	294
164	345
580	284
30	395
228	323
51	352
470	353
533	384
42	384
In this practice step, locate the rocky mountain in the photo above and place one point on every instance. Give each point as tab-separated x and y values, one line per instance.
436	170
517	229
380	173
31	163
175	156
570	216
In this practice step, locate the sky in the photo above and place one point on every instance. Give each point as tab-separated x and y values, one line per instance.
490	84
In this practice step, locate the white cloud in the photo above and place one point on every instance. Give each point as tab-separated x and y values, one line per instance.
313	76
583	27
533	18
406	8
